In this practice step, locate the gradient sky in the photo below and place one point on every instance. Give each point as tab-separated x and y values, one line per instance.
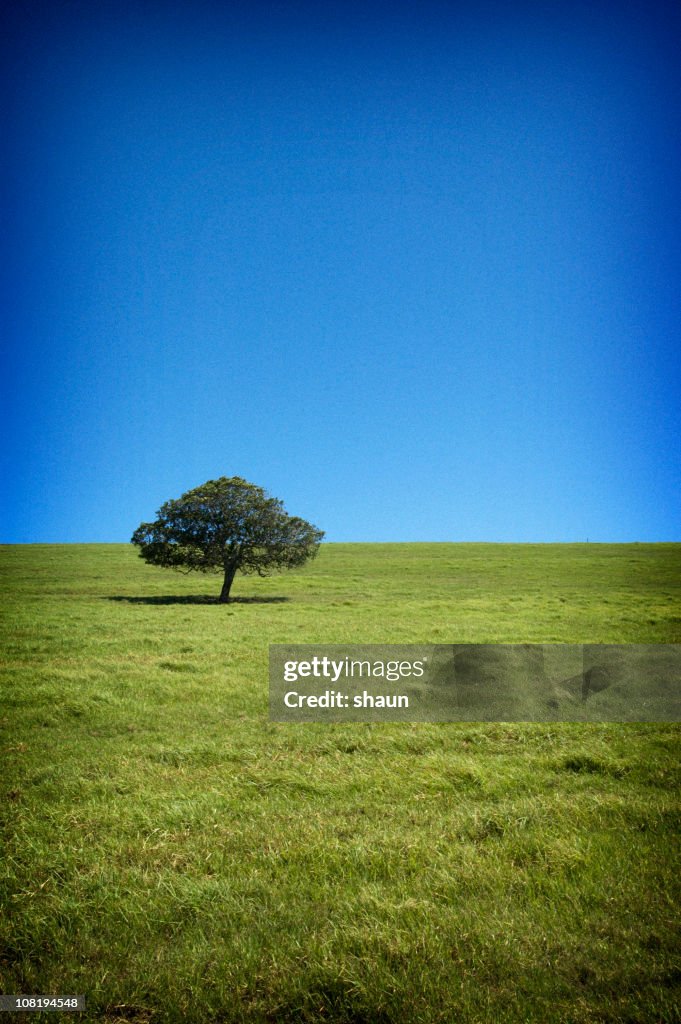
412	268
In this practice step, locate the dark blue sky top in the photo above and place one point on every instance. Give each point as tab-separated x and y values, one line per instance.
412	268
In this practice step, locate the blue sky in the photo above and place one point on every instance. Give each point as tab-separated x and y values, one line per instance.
413	269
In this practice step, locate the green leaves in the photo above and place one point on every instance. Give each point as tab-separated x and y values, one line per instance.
225	525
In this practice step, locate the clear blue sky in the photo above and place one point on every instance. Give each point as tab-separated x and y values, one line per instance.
413	268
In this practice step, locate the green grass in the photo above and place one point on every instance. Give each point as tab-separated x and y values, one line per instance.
173	855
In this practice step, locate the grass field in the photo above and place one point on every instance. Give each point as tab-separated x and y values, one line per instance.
174	856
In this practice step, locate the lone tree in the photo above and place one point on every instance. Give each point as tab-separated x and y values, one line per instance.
225	525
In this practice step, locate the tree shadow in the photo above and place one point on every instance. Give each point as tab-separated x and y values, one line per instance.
193	599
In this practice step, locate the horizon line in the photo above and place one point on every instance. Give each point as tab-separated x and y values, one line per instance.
123	543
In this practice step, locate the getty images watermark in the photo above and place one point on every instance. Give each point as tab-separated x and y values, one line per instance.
475	682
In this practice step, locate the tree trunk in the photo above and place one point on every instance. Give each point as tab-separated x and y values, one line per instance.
230	573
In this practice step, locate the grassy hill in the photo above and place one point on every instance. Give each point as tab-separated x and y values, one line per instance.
173	855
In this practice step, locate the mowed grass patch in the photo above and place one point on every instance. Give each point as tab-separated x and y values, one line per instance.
173	855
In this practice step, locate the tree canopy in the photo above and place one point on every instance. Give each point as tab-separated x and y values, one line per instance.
226	525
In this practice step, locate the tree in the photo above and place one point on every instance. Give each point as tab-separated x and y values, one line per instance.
223	526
